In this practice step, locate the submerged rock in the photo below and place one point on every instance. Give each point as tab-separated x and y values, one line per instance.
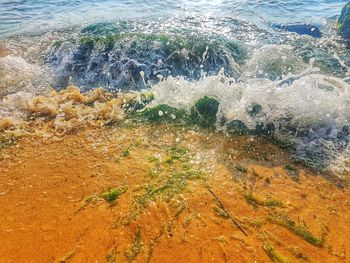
204	111
135	60
301	29
324	59
106	28
343	25
237	127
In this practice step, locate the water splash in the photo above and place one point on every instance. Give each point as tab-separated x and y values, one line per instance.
312	111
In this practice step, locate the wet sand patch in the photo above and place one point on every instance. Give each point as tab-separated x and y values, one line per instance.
138	193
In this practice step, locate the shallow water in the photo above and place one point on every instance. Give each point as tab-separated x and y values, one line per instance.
23	15
276	68
267	78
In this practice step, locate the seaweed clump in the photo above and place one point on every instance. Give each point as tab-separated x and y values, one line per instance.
274	254
269	202
297	229
113	194
135	248
163	113
204	111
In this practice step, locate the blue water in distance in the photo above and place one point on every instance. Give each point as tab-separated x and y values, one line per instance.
31	15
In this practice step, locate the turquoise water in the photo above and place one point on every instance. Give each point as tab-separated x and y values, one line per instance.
26	15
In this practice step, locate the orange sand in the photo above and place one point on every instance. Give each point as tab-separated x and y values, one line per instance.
52	209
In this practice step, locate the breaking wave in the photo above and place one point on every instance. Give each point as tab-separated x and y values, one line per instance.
291	88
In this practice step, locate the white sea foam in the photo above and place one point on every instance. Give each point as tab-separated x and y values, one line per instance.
17	74
309	99
309	107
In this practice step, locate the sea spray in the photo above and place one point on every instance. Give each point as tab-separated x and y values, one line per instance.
312	110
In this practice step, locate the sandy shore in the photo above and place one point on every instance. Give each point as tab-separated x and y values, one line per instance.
164	193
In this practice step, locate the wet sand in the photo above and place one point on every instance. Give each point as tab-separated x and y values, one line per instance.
164	193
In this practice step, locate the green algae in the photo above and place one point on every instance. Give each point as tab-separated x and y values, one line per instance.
343	24
284	143
273	202
113	194
109	40
269	202
125	153
87	42
58	43
204	112
167	180
140	102
274	254
87	201
255	222
153	159
241	168
174	185
171	224
170	44
8	140
177	154
146	96
237	127
291	168
154	241
111	256
220	212
299	230
162	113
105	28
135	248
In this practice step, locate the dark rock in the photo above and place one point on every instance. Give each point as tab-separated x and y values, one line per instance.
301	29
254	109
323	59
237	127
265	129
343	25
116	60
204	111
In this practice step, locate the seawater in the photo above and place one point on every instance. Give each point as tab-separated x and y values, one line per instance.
290	86
22	15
